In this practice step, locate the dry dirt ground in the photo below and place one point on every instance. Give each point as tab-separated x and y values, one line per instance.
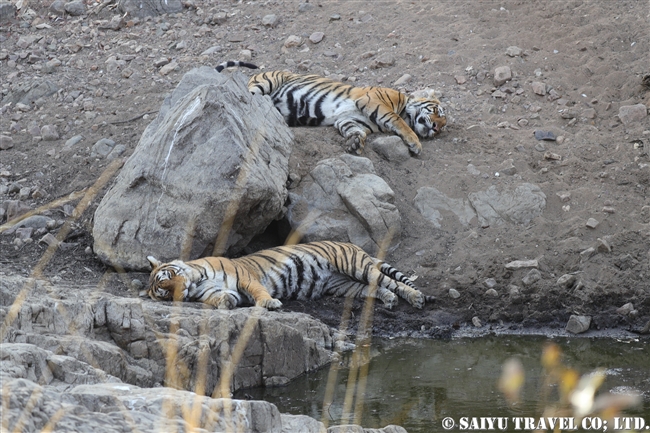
590	57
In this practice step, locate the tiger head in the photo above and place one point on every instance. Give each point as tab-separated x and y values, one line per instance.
426	115
167	281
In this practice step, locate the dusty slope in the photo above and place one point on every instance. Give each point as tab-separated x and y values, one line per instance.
589	55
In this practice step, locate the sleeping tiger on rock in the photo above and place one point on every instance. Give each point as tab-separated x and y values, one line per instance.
303	271
311	100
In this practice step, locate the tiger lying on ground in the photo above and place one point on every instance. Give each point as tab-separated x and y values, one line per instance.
303	271
311	100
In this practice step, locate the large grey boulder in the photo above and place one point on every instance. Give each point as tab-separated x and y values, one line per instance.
343	199
208	174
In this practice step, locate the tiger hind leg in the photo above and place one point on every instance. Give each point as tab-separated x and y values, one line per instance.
392	282
342	285
355	134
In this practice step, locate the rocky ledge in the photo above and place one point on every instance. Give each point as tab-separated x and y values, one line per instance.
77	358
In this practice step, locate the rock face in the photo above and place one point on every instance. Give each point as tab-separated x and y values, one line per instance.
342	199
147	343
91	362
207	175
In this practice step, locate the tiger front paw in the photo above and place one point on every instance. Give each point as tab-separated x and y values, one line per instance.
355	143
269	304
415	147
416	299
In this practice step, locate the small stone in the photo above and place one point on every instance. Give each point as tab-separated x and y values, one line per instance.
603	246
219	18
544	135
632	113
181	45
491	293
335	17
382	61
161	62
490	282
501	75
531	277
293	41
560	139
578	324
213	49
564	196
522	122
6	142
460	79
49	239
625	309
72	141
49	133
368	54
75	8
552	156
539	88
116	152
7	11
521	264
305	7
476	322
88	250
270	20
402	80
24	192
102	147
168	68
454	294
391	148
609	209
566	281
508	168
136	284
316	37
587	254
513	51
58	7
592	223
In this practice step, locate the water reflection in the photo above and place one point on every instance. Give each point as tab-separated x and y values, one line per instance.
417	383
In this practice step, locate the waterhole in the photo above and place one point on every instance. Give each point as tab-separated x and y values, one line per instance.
419	383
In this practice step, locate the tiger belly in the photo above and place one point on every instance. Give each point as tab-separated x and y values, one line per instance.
299	110
304	278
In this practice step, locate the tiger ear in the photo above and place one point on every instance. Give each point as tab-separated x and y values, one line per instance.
154	263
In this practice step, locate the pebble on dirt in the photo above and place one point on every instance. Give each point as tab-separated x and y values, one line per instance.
520	264
632	113
566	281
316	37
625	309
502	74
6	142
592	223
578	324
454	294
539	88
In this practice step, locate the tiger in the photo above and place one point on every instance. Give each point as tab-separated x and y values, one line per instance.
311	100
302	271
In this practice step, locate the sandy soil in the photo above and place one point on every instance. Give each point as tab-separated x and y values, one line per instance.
590	57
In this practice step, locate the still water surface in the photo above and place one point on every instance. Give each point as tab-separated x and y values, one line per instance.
417	383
